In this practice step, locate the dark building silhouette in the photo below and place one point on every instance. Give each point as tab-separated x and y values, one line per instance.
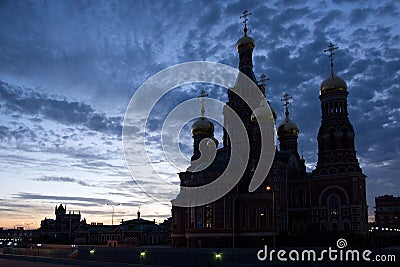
387	212
68	228
63	228
135	232
329	200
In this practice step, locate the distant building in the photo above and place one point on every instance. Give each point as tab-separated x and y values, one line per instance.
135	232
63	228
68	228
387	211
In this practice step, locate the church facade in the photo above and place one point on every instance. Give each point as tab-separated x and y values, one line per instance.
290	202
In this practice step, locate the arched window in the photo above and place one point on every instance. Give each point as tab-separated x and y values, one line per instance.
299	196
228	212
219	214
192	217
252	217
333	205
243	217
332	139
199	217
209	215
344	138
263	217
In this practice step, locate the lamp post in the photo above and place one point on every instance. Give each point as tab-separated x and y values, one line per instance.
29	224
27	236
269	188
112	215
72	248
38	247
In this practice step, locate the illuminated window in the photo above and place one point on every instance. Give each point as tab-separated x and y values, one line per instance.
209	215
199	217
333	205
263	217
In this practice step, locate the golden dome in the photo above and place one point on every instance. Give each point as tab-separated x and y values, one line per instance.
288	127
333	83
245	40
262	113
203	126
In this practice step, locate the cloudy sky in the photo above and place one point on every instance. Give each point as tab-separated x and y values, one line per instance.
68	70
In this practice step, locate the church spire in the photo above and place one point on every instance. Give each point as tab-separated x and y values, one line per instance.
286	98
201	128
333	83
336	133
287	130
261	83
245	46
331	48
246	13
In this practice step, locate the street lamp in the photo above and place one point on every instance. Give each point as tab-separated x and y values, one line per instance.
269	188
112	215
218	256
38	247
142	256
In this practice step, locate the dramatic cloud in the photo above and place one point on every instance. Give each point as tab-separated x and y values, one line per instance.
27	102
62	180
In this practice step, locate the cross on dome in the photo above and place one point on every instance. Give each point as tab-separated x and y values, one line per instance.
246	13
331	48
286	98
263	79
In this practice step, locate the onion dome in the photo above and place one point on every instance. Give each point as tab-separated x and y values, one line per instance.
262	113
203	126
288	127
333	83
245	41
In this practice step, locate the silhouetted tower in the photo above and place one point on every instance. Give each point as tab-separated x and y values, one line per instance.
244	46
336	151
60	212
338	180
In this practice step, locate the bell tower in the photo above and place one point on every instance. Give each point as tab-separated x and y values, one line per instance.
338	184
244	47
336	151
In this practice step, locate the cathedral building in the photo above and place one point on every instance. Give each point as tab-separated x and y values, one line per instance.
290	201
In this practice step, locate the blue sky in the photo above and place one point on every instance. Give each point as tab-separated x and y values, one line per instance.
69	68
